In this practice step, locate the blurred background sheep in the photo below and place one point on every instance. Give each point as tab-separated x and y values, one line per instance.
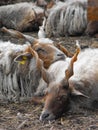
67	18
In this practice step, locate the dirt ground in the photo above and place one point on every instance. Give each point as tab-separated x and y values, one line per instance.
25	116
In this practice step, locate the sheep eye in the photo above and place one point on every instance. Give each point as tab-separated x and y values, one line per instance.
40	50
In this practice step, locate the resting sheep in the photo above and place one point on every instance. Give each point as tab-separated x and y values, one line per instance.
63	18
24	75
72	17
67	18
21	16
75	87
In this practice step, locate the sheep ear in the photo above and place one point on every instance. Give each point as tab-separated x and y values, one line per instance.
39	99
64	50
75	92
23	58
18	35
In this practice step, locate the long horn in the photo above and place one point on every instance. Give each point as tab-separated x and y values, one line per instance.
69	72
39	64
63	49
18	34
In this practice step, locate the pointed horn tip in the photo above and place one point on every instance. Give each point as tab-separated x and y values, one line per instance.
78	47
77	44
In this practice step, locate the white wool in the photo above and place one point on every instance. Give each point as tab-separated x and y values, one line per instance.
86	65
9	87
59	5
57	69
85	78
37	8
71	1
7	48
69	18
45	40
56	72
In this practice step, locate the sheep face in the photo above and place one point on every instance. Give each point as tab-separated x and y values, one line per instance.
56	102
48	53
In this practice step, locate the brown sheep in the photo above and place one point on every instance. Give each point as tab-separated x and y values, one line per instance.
75	87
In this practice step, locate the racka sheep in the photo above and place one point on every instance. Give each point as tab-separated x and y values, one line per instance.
67	18
75	87
26	75
21	16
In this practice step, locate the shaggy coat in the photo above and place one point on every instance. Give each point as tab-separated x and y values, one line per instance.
75	87
67	18
19	80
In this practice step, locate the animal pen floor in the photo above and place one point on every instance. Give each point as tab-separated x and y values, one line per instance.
25	116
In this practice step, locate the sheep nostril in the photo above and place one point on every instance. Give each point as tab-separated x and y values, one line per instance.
45	115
